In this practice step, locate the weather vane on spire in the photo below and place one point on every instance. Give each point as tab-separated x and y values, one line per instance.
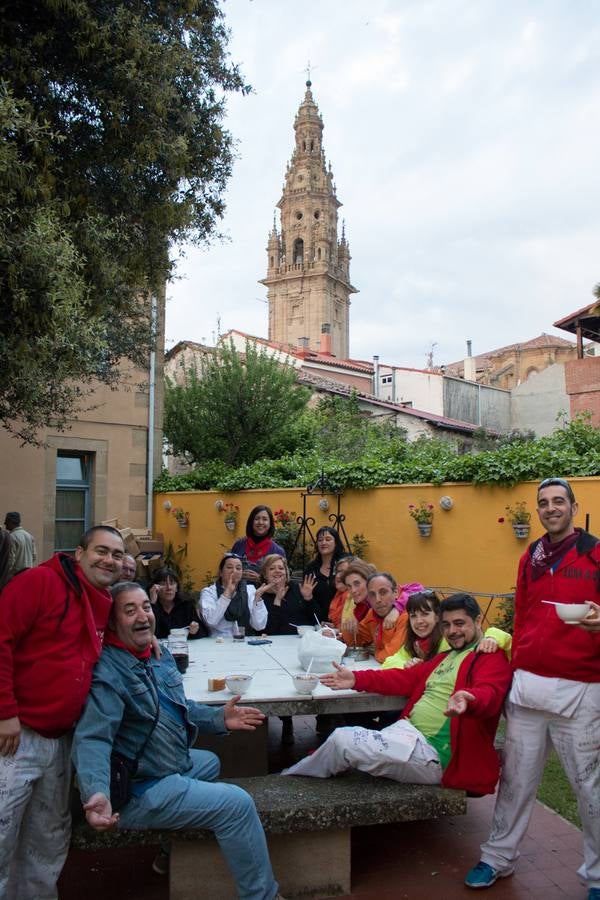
308	71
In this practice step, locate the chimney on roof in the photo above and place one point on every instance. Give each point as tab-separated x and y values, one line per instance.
376	375
303	348
470	370
325	346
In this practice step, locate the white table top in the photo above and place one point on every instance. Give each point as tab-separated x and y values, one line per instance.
272	689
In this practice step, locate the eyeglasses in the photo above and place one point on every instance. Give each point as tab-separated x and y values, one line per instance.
561	482
232	556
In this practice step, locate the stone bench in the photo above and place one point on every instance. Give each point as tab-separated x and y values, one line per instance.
308	822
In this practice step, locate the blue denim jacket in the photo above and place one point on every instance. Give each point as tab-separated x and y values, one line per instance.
119	715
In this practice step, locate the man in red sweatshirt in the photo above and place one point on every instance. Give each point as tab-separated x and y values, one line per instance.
52	621
555	693
446	732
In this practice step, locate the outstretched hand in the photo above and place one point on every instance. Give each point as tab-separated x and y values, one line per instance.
458	702
307	587
340	680
99	814
241	718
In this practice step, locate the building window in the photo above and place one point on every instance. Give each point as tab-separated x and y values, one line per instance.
387	379
73	483
298	251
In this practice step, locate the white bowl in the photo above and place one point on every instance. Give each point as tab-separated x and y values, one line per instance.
304	629
571	613
238	684
305	684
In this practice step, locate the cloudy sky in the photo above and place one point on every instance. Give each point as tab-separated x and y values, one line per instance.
464	137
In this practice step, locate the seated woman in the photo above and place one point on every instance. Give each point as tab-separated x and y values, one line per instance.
424	635
283	598
321	570
258	542
334	615
356	606
285	604
230	599
382	593
171	608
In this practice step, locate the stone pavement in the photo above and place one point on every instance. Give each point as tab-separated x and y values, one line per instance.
419	860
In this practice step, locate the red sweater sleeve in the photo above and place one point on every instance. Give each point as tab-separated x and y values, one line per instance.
489	682
400	682
19	610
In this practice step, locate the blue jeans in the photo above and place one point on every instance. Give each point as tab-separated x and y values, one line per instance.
193	800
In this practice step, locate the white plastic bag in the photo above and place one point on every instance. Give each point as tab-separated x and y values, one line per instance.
322	650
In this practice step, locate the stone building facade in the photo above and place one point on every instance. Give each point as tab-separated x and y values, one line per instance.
308	267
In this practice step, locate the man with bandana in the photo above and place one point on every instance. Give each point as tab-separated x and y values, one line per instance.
555	693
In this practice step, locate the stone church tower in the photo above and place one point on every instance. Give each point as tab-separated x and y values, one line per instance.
308	274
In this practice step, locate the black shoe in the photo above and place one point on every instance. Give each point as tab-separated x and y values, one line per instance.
161	863
287	732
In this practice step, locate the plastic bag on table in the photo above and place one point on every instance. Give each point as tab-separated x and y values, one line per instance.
322	650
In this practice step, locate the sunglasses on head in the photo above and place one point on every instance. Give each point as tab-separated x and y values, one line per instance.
561	482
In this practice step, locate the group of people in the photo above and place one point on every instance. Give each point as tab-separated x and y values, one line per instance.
81	678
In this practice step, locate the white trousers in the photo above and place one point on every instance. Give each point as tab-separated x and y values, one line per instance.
529	734
399	752
35	817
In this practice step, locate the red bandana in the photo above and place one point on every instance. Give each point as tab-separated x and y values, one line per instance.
110	637
255	550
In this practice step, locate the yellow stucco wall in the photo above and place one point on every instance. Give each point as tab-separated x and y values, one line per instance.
468	547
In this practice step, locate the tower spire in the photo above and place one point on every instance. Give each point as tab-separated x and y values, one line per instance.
308	277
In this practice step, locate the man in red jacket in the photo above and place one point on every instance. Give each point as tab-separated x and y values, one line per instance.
446	733
555	694
52	620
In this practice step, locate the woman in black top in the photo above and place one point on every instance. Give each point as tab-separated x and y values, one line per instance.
171	608
285	604
320	573
283	598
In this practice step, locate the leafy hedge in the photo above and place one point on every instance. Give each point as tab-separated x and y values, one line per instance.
571	450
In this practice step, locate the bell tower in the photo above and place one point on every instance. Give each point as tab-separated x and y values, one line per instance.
308	268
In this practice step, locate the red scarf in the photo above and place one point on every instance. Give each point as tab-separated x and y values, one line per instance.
361	609
255	550
547	555
110	638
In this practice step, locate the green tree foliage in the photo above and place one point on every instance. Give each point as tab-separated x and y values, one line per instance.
238	408
342	430
112	150
573	449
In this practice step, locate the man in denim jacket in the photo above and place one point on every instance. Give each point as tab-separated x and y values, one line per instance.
174	786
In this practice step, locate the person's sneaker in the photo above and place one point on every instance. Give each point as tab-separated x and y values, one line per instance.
484	876
593	894
161	863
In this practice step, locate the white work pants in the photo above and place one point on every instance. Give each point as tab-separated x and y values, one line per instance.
35	818
529	733
399	752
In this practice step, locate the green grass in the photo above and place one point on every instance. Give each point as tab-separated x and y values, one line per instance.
556	792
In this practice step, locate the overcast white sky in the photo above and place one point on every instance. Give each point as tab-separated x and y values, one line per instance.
464	137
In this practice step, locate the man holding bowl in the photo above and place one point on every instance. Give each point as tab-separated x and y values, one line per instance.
555	693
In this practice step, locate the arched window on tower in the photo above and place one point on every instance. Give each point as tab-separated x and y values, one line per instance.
318	253
298	252
312	145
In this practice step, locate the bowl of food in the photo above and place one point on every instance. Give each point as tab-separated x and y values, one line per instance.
305	684
238	684
304	629
572	613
